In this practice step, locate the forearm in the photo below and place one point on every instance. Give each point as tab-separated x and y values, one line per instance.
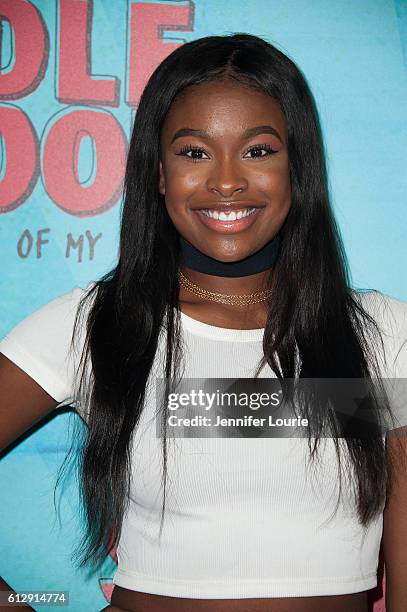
114	609
6	587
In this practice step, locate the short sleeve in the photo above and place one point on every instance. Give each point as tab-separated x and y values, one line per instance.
41	346
399	362
391	316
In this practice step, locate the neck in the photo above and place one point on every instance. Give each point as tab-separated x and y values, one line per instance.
241	277
228	286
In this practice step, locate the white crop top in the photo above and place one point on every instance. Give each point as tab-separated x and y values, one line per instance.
245	517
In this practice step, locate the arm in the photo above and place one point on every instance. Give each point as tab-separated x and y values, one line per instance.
395	525
6	587
115	607
22	404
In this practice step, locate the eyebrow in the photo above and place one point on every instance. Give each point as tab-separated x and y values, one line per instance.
249	133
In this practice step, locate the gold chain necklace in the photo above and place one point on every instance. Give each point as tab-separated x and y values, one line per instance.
232	300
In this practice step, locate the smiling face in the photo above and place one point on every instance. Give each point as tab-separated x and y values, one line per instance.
224	148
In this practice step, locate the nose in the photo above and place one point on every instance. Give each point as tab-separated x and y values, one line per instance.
226	178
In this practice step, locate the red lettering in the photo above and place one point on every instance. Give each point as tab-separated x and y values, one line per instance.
76	83
31	49
147	48
60	158
20	157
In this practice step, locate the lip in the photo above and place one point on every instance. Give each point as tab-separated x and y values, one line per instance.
229	227
229	205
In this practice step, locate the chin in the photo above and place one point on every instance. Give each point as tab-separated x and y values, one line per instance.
225	258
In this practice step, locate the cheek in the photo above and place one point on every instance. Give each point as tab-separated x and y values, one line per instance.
180	187
180	183
275	183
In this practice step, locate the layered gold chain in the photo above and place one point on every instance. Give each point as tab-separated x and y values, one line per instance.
222	298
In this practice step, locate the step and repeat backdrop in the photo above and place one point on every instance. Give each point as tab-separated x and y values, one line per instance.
71	76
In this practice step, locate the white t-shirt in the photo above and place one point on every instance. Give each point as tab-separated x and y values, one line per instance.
245	517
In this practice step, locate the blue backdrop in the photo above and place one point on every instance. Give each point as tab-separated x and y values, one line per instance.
71	73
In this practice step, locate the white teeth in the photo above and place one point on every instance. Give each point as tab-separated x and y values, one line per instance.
230	216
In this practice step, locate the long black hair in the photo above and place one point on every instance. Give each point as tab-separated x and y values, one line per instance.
313	315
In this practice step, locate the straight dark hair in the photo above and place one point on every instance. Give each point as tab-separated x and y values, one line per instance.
313	315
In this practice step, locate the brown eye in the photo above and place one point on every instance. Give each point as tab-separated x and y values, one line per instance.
196	153
258	151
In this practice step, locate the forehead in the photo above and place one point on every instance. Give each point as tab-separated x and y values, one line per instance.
221	106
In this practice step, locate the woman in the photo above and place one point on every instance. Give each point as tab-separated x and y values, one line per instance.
229	253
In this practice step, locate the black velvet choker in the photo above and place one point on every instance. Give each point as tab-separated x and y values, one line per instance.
258	262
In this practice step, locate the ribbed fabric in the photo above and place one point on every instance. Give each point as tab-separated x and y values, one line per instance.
244	517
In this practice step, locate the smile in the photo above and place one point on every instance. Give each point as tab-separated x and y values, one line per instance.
230	221
229	215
